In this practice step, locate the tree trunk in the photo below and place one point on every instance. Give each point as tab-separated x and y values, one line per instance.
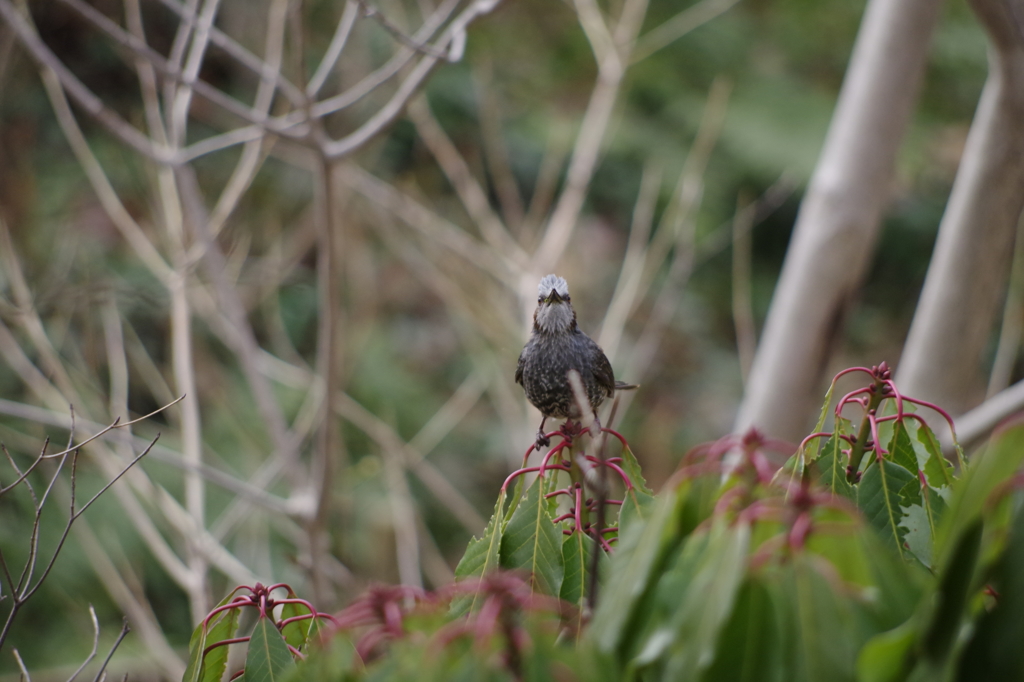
967	279
838	222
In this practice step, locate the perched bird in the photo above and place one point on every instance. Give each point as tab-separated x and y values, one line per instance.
556	346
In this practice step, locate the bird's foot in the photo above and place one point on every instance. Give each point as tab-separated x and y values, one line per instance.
542	441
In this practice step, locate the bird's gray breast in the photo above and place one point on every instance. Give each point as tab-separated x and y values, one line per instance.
547	359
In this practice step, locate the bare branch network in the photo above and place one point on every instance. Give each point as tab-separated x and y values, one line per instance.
440	38
315	121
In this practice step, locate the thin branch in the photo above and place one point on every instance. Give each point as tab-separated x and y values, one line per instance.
399	35
147	76
472	195
691	18
627	288
391	442
682	228
116	424
334	50
115	479
264	70
255	151
95	644
138	610
386	114
106	661
434	227
182	100
465	397
21	666
242	339
403	521
495	150
611	70
161	453
123	221
383	74
85	98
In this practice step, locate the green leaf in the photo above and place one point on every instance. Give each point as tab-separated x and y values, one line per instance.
922	510
917	530
827	633
533	543
748	648
482	556
268	658
955	581
577	550
878	496
632	569
823	415
989	468
296	633
211	667
901	448
937	468
336	659
632	469
995	652
636	501
709	600
833	468
887	657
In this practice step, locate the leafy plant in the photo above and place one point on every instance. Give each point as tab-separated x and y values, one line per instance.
850	562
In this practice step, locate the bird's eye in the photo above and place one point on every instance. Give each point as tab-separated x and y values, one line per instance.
567	299
540	299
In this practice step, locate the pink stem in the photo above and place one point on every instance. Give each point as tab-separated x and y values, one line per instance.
879	450
945	415
224	642
520	472
617	435
578	511
896	393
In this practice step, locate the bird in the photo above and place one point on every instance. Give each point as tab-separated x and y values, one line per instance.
556	346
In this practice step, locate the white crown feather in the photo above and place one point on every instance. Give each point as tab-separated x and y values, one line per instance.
553	282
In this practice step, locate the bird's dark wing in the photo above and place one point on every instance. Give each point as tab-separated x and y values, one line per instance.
519	367
603	371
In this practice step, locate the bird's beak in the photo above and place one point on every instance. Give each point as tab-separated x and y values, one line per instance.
553	297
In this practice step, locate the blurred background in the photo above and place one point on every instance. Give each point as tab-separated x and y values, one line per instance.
663	186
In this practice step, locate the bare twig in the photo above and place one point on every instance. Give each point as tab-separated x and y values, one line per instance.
264	70
496	152
85	98
334	50
399	35
450	38
627	289
469	190
106	661
95	644
611	48
682	231
692	17
383	74
403	521
21	590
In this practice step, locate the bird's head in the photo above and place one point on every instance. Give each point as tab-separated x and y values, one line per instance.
554	311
